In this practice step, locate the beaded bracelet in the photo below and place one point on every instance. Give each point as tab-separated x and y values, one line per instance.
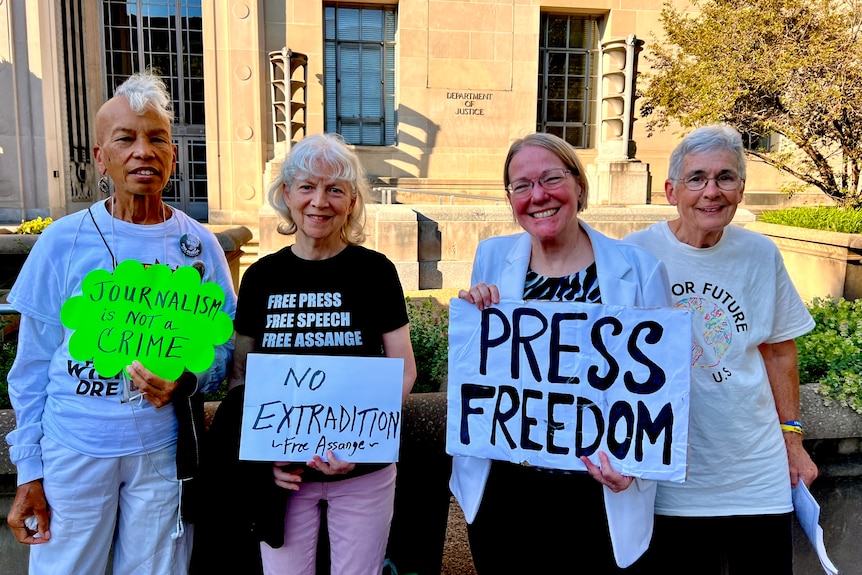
792	426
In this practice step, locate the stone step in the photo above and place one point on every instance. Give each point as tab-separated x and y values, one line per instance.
250	249
250	253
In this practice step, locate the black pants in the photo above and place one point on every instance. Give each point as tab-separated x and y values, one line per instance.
532	521
736	545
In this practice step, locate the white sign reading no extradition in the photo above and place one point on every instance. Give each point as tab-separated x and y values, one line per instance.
298	406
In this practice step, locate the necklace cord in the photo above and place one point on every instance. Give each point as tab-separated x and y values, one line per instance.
104	241
113	240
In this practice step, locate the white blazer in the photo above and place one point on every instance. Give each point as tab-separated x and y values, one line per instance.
628	275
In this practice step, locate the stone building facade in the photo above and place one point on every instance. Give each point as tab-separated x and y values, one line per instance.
431	93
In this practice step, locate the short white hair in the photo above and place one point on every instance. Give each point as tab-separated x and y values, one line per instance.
147	91
712	138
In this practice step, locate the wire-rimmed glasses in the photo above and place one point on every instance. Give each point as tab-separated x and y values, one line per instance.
727	182
549	180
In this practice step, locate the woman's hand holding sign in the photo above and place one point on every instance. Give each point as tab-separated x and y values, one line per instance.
606	475
332	466
286	475
157	390
482	295
289	476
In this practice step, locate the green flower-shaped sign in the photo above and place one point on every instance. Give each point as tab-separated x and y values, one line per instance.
169	321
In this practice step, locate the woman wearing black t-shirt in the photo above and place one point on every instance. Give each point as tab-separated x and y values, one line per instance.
345	300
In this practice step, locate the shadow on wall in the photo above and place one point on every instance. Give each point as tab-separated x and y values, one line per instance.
415	123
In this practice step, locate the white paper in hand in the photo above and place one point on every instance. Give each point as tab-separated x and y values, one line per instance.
808	513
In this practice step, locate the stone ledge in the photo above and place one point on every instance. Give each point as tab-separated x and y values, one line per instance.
425	417
852	242
7	424
827	421
19	244
232	239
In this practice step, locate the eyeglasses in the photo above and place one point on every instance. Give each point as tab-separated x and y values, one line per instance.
726	182
550	180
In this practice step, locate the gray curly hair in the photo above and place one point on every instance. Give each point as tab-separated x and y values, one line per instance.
323	154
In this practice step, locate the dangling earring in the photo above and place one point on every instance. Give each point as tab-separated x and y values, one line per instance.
168	187
103	185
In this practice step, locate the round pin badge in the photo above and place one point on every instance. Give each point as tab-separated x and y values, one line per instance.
191	245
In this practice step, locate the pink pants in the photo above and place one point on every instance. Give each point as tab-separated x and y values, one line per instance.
359	515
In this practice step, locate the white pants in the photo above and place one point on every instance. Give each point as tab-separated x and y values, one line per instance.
129	501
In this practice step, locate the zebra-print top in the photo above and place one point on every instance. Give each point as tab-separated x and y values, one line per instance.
582	286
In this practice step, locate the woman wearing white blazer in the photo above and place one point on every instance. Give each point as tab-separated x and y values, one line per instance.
532	520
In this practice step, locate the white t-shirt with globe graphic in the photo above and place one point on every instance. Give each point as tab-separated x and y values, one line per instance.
740	296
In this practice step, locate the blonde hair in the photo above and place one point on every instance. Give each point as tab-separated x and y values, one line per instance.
560	148
317	155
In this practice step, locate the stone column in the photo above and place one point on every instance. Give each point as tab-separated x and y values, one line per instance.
619	178
236	79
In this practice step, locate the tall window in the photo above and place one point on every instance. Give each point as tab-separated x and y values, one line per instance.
757	142
167	36
359	75
568	69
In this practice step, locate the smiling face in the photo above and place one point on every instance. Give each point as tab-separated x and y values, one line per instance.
134	150
547	215
703	214
319	206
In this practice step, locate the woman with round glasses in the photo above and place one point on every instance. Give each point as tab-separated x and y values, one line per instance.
745	438
535	520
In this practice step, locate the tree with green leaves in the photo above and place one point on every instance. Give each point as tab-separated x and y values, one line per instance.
787	67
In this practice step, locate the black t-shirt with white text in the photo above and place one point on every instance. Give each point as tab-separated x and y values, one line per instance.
339	306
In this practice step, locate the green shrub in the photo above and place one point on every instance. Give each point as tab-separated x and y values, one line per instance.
7	356
831	354
218	394
429	334
825	218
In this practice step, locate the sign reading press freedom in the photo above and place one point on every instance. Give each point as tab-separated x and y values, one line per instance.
167	319
298	406
547	382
